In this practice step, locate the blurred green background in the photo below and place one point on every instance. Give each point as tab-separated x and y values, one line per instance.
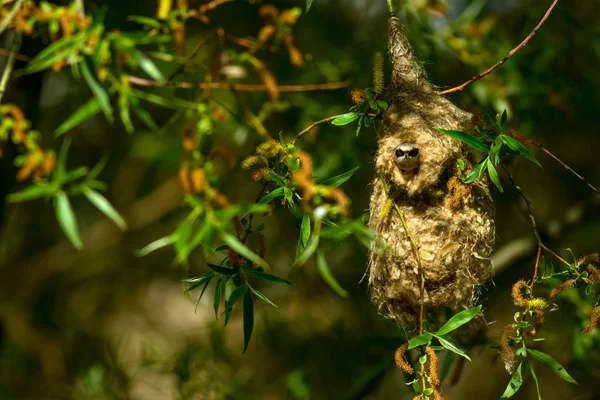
104	324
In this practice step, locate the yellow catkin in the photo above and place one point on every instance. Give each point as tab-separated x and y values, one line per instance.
164	9
378	75
537	303
401	360
385	211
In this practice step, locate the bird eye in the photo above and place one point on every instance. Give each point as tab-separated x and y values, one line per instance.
414	152
399	152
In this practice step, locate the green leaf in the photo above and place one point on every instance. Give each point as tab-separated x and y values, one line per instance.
304	235
552	364
124	112
60	172
223	270
338	180
515	382
382	104
266	277
263	297
312	245
419	340
328	276
345	119
458	320
150	68
66	219
237	246
157	244
237	295
206	283
98	167
97	89
308	4
32	192
142	114
272	195
82	114
202	281
476	171
535	379
53	53
248	319
145	21
449	346
465	137
494	175
515	145
106	208
217	296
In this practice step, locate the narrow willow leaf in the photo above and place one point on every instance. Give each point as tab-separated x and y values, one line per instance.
551	363
458	320
465	137
345	119
202	280
66	219
125	114
223	270
263	297
308	5
476	171
266	277
142	114
237	295
99	167
338	180
304	235
237	246
150	68
145	21
535	379
272	195
515	145
97	89
494	175
82	114
202	293
51	54
515	382
328	276
229	288
104	206
157	244
312	245
32	192
419	340
449	346
217	297
248	306
60	173
196	279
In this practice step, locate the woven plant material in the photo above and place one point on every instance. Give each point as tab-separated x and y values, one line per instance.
452	223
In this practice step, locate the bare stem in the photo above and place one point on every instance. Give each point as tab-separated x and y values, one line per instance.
11	15
509	55
390	5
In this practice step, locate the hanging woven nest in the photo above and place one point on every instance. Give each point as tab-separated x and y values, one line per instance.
416	167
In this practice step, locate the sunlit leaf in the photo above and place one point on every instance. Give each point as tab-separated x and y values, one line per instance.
338	180
419	340
458	320
150	68
345	119
32	192
465	137
476	171
157	244
515	145
494	175
328	276
272	195
449	346
97	89
515	382
82	114
263	297
551	363
304	235
104	206
66	219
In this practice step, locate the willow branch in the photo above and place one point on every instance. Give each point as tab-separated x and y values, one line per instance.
243	87
509	55
11	15
10	64
323	121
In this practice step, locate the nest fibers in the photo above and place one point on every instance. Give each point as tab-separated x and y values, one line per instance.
451	223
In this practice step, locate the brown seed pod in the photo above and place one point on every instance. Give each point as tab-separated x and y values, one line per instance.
455	239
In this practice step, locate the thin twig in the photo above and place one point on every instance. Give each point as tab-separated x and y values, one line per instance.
18	57
16	45
192	56
324	120
509	55
11	15
244	87
540	244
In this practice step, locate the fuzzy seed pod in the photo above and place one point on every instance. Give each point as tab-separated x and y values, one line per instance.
455	238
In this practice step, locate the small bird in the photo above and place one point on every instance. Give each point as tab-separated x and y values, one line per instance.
407	156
